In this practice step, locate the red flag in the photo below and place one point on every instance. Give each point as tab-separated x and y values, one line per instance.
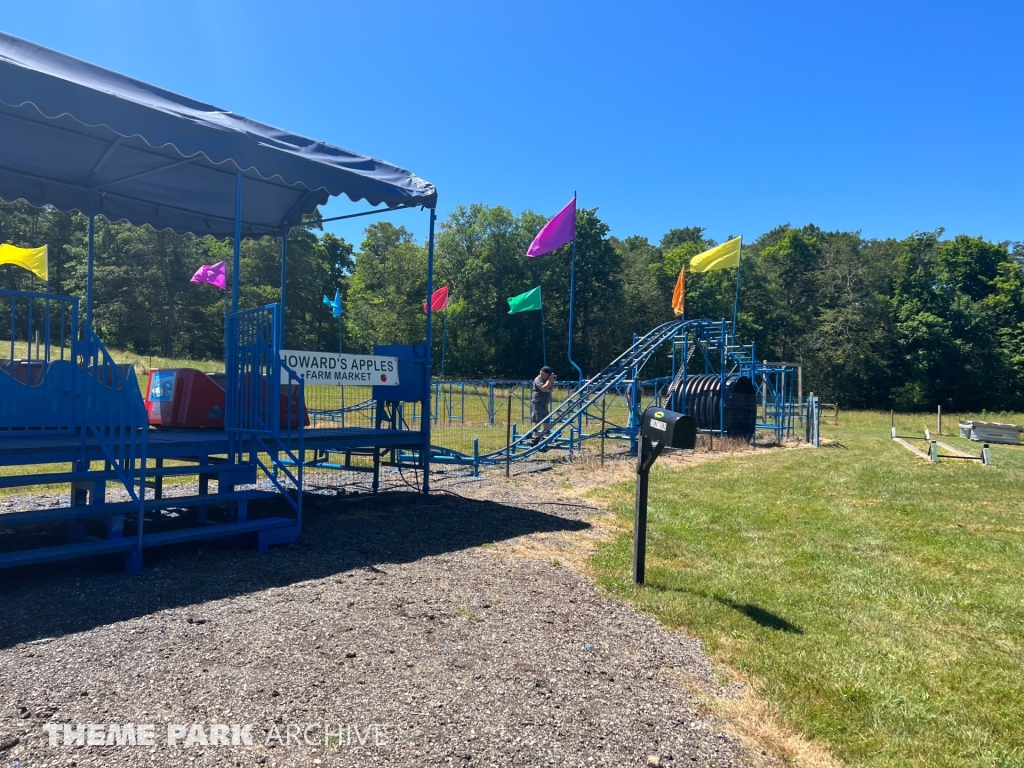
438	301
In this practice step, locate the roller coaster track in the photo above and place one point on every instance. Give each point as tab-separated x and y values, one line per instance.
546	433
708	335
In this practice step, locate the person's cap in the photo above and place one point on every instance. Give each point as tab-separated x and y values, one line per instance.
546	369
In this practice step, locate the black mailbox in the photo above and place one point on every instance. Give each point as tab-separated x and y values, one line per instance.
671	429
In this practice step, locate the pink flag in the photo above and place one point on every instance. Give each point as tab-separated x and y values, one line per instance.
211	274
556	233
438	301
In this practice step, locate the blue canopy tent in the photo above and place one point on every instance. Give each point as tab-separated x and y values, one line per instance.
77	136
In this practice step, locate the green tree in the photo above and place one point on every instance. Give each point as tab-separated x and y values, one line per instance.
387	289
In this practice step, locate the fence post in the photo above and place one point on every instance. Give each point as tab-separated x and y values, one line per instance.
986	455
490	402
476	457
938	425
508	435
604	403
933	452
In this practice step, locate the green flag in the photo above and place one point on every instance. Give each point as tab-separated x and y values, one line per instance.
524	302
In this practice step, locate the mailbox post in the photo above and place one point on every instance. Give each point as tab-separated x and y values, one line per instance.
659	429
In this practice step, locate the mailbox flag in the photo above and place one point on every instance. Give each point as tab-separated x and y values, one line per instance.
32	259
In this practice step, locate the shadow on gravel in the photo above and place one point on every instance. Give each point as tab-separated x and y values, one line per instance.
338	535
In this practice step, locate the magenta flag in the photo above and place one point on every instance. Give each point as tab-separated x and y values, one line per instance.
438	301
556	233
211	274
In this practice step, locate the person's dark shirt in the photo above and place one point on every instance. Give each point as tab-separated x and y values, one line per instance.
540	396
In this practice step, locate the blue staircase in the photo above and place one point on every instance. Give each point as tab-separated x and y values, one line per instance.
64	401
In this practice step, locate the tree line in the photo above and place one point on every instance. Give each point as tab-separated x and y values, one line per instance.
906	323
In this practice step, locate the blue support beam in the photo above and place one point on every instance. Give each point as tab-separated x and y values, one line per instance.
425	416
236	255
284	283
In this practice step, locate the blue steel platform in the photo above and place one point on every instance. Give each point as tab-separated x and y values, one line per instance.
99	527
36	447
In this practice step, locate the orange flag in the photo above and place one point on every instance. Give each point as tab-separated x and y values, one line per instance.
679	294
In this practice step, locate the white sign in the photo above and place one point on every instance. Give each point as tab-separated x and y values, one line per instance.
335	368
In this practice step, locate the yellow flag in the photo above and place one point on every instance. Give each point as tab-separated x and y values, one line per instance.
679	294
724	256
32	259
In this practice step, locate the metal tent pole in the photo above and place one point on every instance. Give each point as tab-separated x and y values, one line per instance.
284	281
425	416
91	255
238	242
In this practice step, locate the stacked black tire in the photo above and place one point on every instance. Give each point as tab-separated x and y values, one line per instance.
704	396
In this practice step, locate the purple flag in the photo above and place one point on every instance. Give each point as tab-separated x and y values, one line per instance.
556	233
211	274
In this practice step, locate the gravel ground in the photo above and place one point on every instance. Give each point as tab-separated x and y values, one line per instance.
414	626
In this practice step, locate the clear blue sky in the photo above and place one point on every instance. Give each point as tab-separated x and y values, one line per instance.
887	117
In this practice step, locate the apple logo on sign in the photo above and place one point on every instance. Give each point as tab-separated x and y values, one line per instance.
383	377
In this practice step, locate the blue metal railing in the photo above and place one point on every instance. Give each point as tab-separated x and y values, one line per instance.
258	420
64	385
285	447
113	412
37	376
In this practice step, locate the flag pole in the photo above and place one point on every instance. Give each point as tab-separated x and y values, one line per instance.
543	337
341	349
572	288
736	303
444	338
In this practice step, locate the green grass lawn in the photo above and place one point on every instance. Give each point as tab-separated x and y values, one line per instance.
142	363
876	599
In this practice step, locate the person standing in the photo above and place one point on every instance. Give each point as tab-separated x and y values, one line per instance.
540	402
